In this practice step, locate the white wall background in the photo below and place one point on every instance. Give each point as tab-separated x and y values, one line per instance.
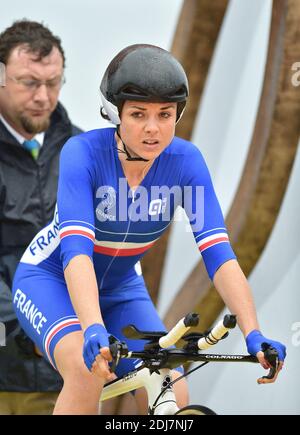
223	133
232	388
92	32
224	123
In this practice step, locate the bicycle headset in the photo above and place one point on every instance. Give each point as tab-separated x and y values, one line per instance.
142	72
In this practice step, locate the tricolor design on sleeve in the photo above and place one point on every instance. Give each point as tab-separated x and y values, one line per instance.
212	240
70	228
122	249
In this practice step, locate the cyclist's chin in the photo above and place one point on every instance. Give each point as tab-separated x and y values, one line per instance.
150	152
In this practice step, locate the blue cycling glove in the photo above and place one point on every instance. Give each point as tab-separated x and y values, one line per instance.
255	339
95	337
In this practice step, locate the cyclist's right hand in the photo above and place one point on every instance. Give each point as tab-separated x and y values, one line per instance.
96	353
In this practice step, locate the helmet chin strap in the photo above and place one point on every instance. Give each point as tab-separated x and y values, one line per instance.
125	151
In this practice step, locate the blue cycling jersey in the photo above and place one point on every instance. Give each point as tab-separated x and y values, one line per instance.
99	215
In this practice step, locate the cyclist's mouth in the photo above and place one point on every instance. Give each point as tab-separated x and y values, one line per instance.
151	143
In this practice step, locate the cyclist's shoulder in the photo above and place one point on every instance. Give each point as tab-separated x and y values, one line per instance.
187	155
100	137
189	160
183	147
86	143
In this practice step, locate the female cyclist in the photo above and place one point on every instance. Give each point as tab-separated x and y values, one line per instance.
80	278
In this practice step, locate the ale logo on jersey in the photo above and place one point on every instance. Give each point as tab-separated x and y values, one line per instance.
157	206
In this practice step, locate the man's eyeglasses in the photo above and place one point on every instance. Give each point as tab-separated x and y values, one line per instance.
33	85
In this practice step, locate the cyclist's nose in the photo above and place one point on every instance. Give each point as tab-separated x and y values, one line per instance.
151	125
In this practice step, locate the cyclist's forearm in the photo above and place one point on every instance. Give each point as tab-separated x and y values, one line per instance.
235	291
82	285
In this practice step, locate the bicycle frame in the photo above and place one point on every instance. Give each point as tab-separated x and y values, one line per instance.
153	383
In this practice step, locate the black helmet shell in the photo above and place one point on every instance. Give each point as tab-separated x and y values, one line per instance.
144	72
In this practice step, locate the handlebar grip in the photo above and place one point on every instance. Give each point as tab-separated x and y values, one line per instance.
117	349
229	321
271	355
179	330
218	332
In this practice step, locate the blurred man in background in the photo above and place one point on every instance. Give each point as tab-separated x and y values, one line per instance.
33	128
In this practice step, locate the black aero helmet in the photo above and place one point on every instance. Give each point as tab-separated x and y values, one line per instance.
143	72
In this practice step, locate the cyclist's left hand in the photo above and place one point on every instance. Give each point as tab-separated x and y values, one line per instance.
254	342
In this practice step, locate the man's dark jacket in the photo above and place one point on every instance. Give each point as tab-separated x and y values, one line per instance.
27	199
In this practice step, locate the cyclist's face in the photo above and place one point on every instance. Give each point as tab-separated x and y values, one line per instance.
26	101
148	128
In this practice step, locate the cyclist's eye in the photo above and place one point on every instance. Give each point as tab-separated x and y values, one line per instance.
165	115
137	114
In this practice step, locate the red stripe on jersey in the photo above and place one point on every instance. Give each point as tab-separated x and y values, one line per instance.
76	233
121	252
213	242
